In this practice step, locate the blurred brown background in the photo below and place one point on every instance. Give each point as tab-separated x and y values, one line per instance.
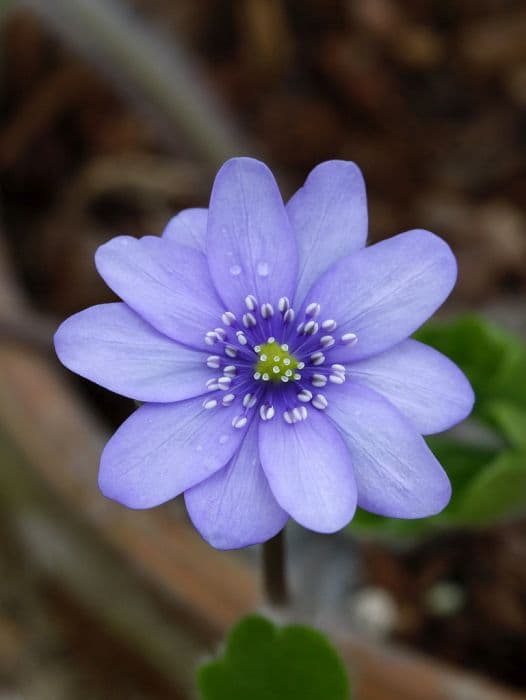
427	96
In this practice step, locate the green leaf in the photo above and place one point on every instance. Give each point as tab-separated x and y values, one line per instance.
264	662
510	421
498	492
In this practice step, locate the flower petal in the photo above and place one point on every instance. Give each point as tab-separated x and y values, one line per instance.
235	507
166	283
385	292
250	242
188	228
163	449
420	382
309	471
329	217
112	346
396	473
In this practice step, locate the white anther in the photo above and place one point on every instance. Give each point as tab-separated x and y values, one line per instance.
210	403
257	375
271	339
318	380
312	309
300	328
329	325
228	318
288	316
230	351
257	348
251	302
212	384
337	378
249	320
288	417
239	421
297	413
213	361
227	399
265	377
230	371
249	400
297	376
267	310
241	338
211	338
310	328
284	378
285	347
301	365
338	368
349	338
220	332
263	357
288	373
276	369
320	402
317	358
327	341
286	361
305	395
224	383
267	412
277	358
284	304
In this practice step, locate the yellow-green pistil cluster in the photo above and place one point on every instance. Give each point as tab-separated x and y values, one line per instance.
276	363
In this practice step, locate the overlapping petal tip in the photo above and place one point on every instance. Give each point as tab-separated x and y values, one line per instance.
310	472
235	507
420	382
329	217
383	293
167	284
250	242
396	474
163	449
112	346
188	228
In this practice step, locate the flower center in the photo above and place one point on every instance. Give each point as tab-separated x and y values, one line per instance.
275	362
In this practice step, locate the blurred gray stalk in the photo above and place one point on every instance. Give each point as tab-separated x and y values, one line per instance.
155	71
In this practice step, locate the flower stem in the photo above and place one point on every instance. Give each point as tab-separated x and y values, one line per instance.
274	572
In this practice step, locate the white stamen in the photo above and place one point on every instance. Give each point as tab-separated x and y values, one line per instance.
227	399
288	373
277	358
265	377
230	351
276	369
320	402
337	378
212	384
230	371
284	378
257	348
310	328
301	365
297	376
318	380
327	341
224	383
220	332
239	421
338	368
271	339
249	401
228	318
283	304
297	413
213	361
312	309
241	338
263	357
286	361
317	358
209	403
249	320
300	328
288	316
257	375
288	417
267	412
349	338
267	310
211	338
285	347
251	302
305	395
329	325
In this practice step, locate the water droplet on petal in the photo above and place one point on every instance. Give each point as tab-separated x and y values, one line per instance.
263	268
198	448
223	439
235	270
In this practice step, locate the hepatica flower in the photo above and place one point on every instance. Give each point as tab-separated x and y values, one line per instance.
271	350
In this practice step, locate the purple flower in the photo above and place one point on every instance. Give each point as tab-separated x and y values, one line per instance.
271	350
